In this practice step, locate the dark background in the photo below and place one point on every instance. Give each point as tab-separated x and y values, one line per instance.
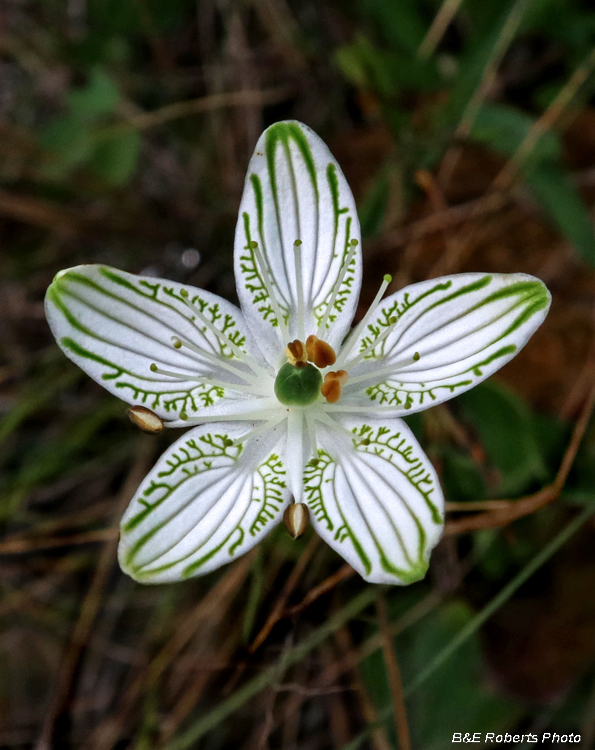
467	132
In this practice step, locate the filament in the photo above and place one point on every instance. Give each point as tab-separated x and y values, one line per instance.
334	425
392	370
225	340
217	361
284	331
261	415
345	407
364	322
259	430
337	286
310	419
204	380
299	282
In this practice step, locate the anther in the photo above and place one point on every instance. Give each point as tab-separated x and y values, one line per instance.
333	384
296	353
322	354
153	367
146	419
296	519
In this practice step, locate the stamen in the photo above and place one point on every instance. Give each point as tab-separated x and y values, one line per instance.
223	338
385	370
261	415
310	419
368	350
259	430
296	519
333	383
297	257
146	419
178	343
206	381
342	273
264	274
354	335
322	354
334	425
346	407
296	353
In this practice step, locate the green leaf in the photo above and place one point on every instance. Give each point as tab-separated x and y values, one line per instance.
69	140
461	477
401	23
560	199
445	693
115	159
386	72
504	128
507	431
373	208
490	19
98	97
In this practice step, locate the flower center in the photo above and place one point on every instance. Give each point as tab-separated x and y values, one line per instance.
298	385
299	382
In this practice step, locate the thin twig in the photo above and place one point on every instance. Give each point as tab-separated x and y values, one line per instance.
379	740
481	617
478	505
272	674
439	25
439	221
580	387
344	572
205	615
394	677
37	212
193	691
490	71
18	546
144	120
531	503
277	612
552	114
82	629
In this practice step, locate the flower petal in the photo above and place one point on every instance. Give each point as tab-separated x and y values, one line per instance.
115	325
378	503
295	190
463	328
205	503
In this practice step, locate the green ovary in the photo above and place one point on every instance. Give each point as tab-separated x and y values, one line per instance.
298	386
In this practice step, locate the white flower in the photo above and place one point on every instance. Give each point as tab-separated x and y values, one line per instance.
269	426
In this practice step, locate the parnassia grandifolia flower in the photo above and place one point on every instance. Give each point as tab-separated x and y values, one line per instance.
286	403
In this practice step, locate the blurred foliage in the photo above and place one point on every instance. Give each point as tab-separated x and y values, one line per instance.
118	148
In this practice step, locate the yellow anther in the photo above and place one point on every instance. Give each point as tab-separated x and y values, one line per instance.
146	419
296	353
333	385
296	519
322	354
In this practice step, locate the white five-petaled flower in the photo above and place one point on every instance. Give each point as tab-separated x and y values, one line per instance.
287	404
